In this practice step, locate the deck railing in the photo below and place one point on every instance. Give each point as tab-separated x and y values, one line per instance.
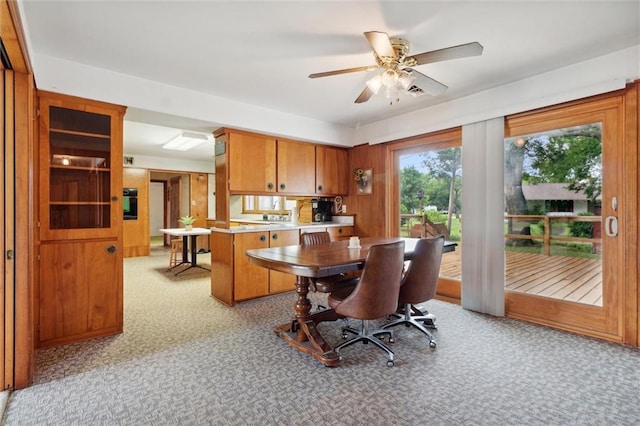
426	227
548	236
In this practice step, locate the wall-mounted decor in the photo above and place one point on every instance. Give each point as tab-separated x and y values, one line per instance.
364	180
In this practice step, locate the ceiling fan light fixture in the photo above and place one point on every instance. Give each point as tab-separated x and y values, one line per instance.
185	141
375	83
391	93
405	80
389	78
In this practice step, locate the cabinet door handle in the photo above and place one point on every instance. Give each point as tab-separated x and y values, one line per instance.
270	185
111	249
114	198
319	188
283	186
263	238
274	236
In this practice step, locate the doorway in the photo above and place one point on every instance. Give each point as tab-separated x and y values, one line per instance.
168	201
157	221
576	151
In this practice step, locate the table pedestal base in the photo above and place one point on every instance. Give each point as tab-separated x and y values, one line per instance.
302	334
314	345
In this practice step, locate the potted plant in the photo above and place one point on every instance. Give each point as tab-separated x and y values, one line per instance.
187	221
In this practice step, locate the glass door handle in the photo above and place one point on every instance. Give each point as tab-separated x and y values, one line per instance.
611	226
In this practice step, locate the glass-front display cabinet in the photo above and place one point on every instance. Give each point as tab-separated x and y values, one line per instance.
81	170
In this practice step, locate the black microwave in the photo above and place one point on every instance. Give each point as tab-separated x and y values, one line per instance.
130	203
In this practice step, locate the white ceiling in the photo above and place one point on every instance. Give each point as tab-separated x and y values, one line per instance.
259	53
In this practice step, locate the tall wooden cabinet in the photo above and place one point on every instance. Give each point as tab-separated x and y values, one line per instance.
80	219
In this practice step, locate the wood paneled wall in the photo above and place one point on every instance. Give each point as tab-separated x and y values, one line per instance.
199	205
136	232
369	209
17	359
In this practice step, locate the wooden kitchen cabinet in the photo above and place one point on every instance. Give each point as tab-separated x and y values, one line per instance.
234	278
80	293
340	232
280	281
80	244
249	280
252	163
296	167
258	164
332	175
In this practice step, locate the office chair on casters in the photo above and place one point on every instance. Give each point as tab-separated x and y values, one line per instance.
375	296
419	285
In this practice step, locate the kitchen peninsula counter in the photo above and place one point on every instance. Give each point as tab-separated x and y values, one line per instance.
235	279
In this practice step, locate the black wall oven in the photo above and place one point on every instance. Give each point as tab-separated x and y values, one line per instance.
130	203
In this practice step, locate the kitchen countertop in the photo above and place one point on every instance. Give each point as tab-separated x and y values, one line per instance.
256	225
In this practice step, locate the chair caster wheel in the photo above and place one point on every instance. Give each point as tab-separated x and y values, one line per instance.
392	340
432	344
390	363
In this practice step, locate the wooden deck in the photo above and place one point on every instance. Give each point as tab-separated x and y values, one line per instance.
569	278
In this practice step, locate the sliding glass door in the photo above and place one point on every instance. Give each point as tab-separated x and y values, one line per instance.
427	188
563	251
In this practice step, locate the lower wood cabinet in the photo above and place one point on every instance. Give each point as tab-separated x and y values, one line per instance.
80	291
234	278
340	232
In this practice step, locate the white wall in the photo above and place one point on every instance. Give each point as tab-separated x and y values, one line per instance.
64	76
156	215
600	75
172	164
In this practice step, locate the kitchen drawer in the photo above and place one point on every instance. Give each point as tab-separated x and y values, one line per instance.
340	232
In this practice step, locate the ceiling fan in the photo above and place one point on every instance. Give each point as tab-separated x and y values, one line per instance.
398	74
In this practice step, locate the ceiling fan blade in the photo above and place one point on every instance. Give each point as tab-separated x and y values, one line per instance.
427	84
454	52
344	71
380	43
364	96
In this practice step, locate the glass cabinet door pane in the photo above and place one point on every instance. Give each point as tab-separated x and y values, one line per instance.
79	169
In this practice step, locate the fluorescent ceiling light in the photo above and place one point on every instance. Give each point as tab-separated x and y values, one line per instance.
185	141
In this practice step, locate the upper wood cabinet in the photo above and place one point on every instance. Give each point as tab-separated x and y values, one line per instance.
254	164
296	167
331	170
80	168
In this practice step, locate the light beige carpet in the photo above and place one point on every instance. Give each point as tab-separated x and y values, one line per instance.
186	359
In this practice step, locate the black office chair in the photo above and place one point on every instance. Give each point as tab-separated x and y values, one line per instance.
419	285
374	297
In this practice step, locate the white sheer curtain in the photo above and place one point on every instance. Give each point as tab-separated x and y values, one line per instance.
483	216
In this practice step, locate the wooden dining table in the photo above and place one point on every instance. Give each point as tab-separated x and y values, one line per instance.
317	261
